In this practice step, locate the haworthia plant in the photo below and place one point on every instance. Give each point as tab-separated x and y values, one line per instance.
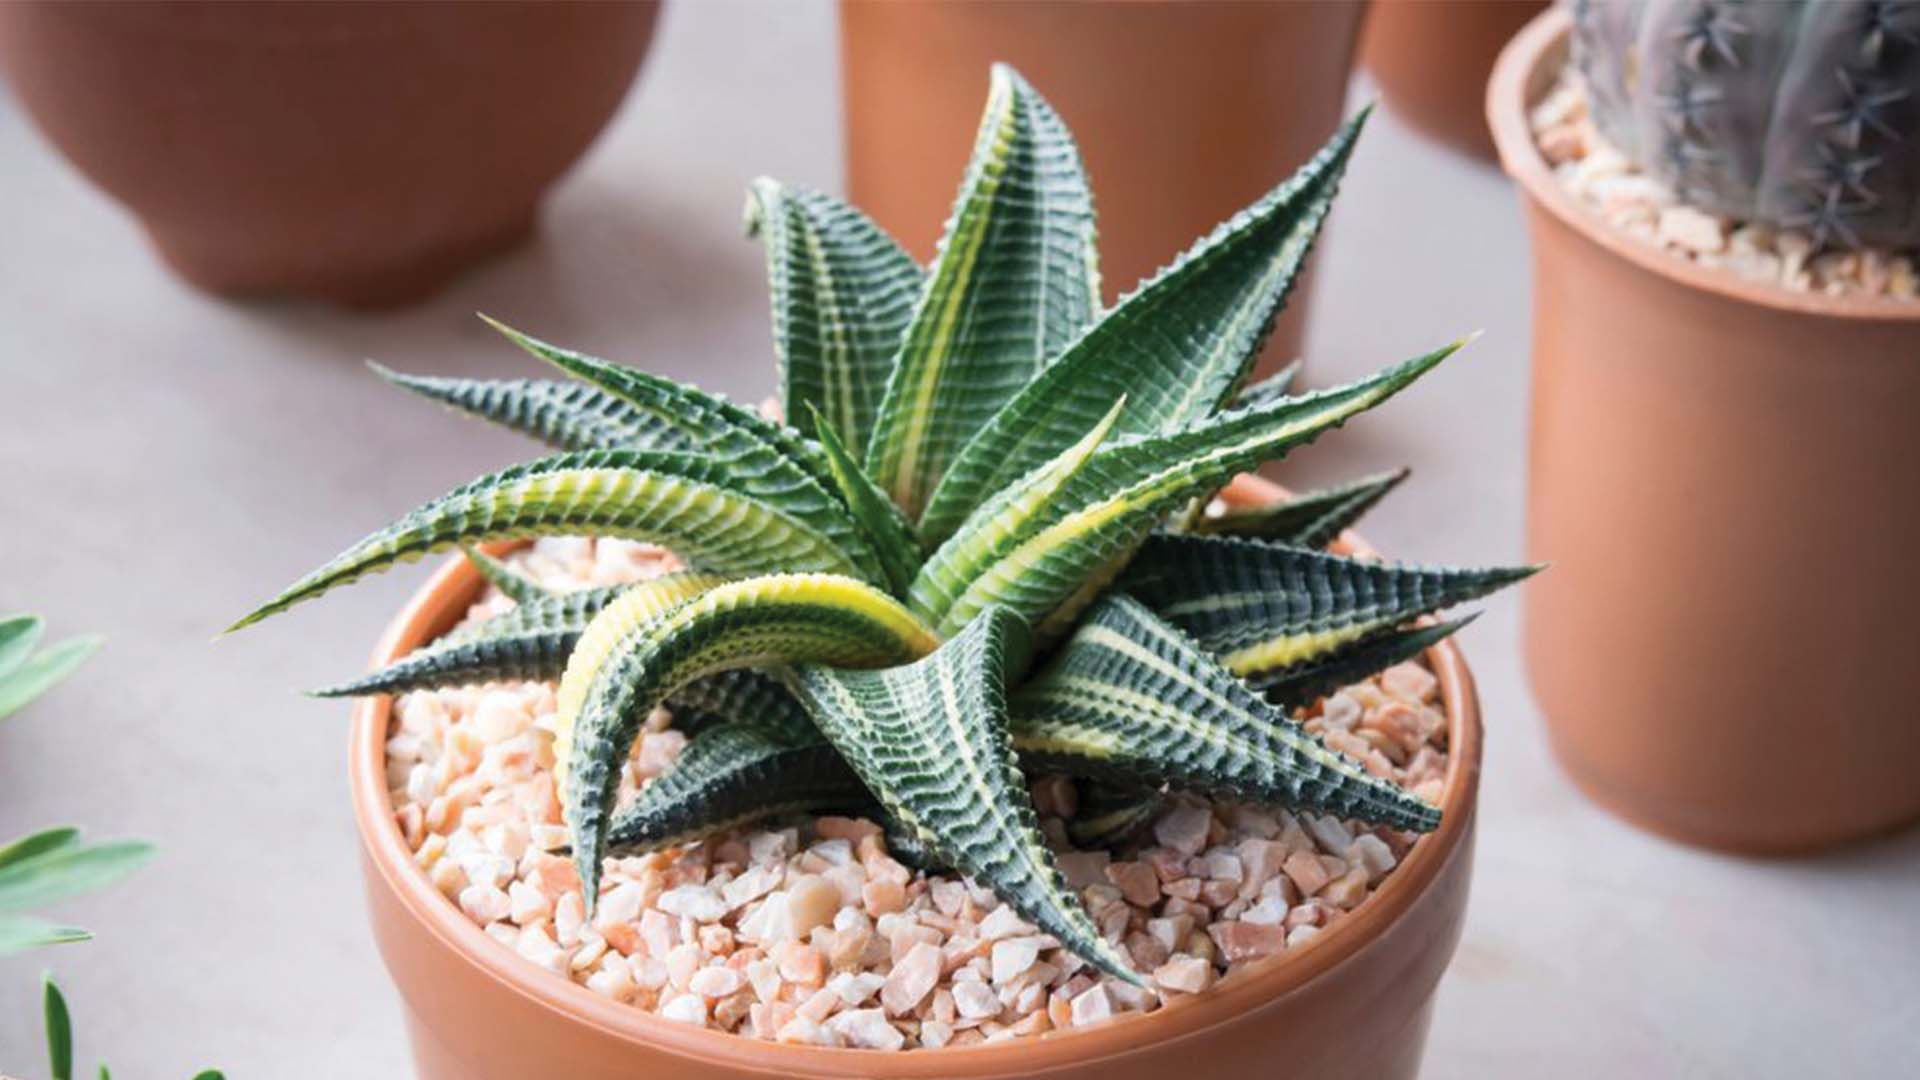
1797	113
975	549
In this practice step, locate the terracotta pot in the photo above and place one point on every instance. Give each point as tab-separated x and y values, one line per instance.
359	153
1722	477
1432	58
1353	1003
1184	112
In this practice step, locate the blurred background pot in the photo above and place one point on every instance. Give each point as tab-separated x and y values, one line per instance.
1184	111
1431	59
1722	477
359	153
1354	1004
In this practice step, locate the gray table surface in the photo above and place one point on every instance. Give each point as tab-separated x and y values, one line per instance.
166	460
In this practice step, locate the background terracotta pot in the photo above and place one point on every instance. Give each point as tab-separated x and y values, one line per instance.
1184	111
360	153
1722	476
1352	1004
1432	58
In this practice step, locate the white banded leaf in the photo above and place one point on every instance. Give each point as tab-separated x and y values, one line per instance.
1126	488
628	663
929	740
1304	684
842	293
1015	279
1264	607
1311	520
564	415
531	641
999	523
888	530
774	464
1131	698
687	503
731	775
1178	348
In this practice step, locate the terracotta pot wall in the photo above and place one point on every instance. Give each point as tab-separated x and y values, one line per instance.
1184	111
354	152
1432	58
1353	1005
1722	477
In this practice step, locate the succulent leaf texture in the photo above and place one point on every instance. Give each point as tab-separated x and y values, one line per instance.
1797	113
973	551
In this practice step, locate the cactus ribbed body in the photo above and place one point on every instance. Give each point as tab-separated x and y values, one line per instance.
1795	113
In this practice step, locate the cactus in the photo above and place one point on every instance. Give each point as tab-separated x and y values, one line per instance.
1801	114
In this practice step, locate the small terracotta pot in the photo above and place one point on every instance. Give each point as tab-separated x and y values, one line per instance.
1184	112
358	153
1722	475
1432	58
1354	1003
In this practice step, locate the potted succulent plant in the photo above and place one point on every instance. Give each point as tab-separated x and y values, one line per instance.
1724	205
1432	58
355	153
971	591
1217	99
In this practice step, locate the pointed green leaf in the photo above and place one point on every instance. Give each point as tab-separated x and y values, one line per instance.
42	671
36	844
67	869
1001	522
1131	698
1312	520
1177	348
1111	814
628	662
532	641
19	933
1304	684
770	462
738	697
520	590
1264	607
929	739
1106	508
731	775
18	636
842	293
1015	279
889	531
1270	389
689	504
564	415
59	1032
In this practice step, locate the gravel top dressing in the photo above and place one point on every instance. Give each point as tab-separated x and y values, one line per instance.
814	933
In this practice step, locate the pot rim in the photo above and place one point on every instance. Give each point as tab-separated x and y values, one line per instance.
1510	93
451	590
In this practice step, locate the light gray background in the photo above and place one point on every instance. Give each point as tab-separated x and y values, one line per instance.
167	460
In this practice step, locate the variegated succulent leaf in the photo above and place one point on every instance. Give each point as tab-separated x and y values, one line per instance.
564	415
1014	280
764	459
515	586
1111	814
1131	698
842	291
1311	520
1265	607
690	504
1178	348
889	532
929	739
1303	684
628	663
730	775
1108	506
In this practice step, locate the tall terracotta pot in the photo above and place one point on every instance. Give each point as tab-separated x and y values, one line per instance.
1353	1004
1432	58
1722	475
360	153
1184	111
